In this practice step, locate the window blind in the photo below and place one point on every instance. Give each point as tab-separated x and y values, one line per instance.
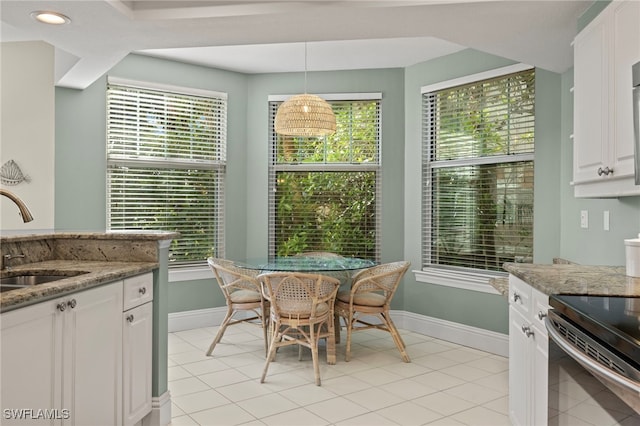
166	159
478	145
325	191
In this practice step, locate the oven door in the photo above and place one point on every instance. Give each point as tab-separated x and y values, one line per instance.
618	376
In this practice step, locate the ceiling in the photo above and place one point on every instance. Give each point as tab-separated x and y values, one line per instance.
264	36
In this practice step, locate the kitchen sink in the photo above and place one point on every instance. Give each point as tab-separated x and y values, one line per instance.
27	280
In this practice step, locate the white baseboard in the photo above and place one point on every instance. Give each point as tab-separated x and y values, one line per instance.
187	320
473	337
160	414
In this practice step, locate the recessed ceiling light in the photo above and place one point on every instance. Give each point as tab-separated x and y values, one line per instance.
53	18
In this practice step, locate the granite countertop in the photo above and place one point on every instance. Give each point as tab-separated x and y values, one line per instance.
576	279
91	274
89	258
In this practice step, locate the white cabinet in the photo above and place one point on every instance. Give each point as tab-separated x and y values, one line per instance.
137	329
604	52
61	359
528	354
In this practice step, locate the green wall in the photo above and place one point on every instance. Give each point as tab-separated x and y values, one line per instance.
81	166
472	308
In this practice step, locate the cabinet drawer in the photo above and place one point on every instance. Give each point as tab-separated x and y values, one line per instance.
540	306
137	290
520	295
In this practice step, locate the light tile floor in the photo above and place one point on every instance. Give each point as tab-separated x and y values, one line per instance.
445	384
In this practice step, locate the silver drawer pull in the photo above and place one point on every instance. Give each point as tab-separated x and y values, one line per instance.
516	297
541	315
72	303
527	330
130	318
61	307
142	290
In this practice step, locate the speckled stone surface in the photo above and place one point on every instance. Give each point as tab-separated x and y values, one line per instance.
576	279
501	284
90	259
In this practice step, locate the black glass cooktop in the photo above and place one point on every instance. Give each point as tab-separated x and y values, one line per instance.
614	320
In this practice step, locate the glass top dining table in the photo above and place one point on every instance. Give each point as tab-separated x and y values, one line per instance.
301	263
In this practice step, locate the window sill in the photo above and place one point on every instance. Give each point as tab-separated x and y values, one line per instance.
192	273
473	281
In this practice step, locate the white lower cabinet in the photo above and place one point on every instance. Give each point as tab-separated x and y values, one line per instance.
528	354
62	360
137	335
82	359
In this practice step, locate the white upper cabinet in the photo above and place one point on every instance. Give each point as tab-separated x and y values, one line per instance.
603	156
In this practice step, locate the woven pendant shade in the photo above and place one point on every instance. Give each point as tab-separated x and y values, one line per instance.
305	115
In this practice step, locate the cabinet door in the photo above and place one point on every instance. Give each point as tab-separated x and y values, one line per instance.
590	99
519	370
30	360
137	330
540	376
92	343
625	22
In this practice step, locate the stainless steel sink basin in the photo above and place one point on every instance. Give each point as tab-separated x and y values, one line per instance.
27	280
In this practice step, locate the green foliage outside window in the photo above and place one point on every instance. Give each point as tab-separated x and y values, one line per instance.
325	188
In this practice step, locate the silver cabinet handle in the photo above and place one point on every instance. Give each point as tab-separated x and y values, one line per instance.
142	290
541	315
527	330
72	303
516	297
606	171
61	307
130	318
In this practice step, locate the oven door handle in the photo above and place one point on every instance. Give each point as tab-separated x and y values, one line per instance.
587	362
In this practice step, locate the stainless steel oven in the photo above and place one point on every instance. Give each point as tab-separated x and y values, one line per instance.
594	359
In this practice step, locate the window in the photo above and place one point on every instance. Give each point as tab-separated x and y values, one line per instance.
478	145
325	191
166	157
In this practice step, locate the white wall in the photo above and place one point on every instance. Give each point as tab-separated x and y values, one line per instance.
27	131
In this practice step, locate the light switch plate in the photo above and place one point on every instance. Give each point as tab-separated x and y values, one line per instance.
584	219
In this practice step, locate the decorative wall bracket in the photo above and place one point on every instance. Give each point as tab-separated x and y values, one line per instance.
10	174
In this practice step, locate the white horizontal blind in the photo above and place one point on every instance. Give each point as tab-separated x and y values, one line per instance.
325	191
166	154
478	145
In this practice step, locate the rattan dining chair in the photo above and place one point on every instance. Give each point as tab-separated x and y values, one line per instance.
343	276
370	296
301	313
243	294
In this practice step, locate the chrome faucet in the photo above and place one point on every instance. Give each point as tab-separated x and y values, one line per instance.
7	257
24	210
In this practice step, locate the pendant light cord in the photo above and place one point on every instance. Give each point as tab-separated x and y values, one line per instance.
305	67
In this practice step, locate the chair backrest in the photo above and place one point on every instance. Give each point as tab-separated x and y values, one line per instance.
233	278
299	295
383	279
317	254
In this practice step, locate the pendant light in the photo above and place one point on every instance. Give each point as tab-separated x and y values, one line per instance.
305	115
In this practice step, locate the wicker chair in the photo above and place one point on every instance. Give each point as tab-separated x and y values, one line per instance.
370	295
242	292
301	313
343	276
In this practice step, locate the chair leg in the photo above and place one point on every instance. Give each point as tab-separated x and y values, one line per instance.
221	330
396	336
265	330
314	337
336	325
349	324
272	351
